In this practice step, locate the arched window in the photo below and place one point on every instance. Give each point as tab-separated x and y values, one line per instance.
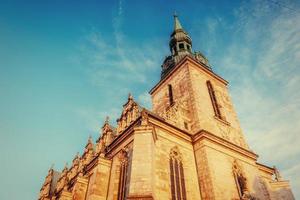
240	180
123	175
213	99
171	100
178	191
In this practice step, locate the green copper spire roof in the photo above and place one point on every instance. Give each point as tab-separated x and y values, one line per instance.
177	24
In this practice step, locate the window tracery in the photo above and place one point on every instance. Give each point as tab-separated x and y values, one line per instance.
240	180
123	175
178	191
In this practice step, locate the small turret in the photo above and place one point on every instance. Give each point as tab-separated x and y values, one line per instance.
107	132
131	111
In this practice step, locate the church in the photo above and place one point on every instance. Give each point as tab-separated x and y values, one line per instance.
190	146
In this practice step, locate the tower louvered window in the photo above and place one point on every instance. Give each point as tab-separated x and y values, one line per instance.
178	191
213	99
171	100
123	175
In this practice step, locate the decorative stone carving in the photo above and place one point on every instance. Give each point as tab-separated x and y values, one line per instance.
75	167
145	118
63	179
175	153
131	111
107	132
88	153
277	174
241	181
45	190
123	155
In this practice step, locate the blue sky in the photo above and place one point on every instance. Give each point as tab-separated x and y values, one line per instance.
64	66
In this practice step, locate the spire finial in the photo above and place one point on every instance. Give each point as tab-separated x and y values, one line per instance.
130	96
90	140
66	166
51	168
77	155
107	120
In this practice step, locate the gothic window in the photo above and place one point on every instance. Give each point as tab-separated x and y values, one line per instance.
240	180
213	99
178	191
123	175
171	100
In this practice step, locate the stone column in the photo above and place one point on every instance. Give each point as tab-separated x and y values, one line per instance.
80	188
141	179
65	195
99	180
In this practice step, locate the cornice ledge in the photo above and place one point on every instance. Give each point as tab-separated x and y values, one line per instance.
203	134
104	161
140	129
265	168
82	179
139	196
280	184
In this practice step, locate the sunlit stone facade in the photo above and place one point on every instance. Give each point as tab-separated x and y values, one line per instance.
190	146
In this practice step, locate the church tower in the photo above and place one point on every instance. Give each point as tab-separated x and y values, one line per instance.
189	147
191	95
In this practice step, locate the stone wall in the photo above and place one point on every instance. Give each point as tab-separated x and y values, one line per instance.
227	128
215	172
181	112
165	142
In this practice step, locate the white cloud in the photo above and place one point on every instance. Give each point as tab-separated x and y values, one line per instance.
115	59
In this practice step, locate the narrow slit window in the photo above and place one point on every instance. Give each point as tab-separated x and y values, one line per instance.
186	126
171	100
213	99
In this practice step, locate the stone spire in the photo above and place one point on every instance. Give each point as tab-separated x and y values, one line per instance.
177	24
180	46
